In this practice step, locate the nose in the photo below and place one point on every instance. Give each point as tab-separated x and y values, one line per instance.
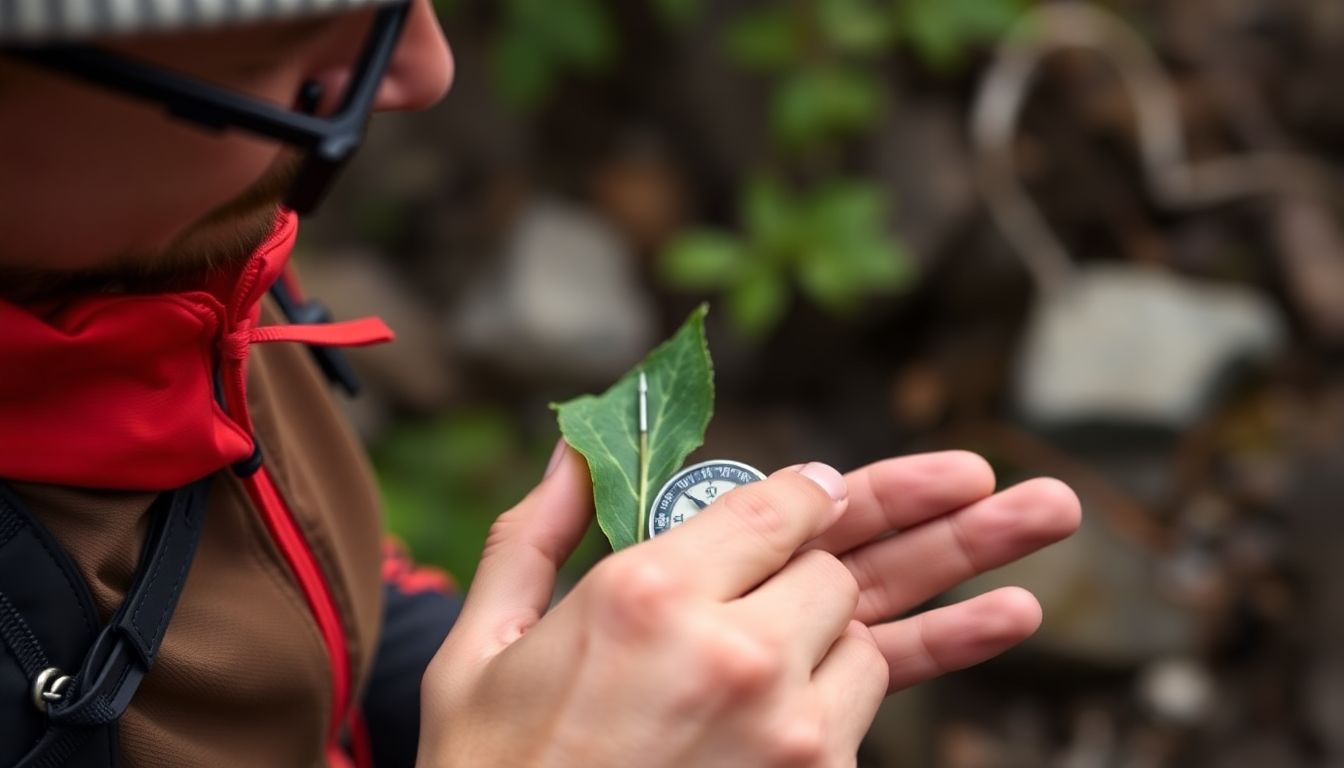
421	70
417	77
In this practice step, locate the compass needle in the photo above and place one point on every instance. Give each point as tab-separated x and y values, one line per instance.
683	497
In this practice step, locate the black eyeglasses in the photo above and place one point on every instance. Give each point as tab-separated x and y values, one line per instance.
328	142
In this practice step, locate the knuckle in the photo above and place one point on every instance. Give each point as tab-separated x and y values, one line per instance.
799	742
832	572
637	595
738	665
502	531
871	661
758	513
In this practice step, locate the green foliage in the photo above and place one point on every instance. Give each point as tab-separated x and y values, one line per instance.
941	32
539	40
766	40
817	103
858	27
704	260
822	61
832	243
445	482
758	301
605	428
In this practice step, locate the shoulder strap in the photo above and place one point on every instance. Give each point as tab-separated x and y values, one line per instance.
125	649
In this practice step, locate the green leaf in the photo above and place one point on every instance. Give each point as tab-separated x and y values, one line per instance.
703	260
860	27
758	303
523	71
765	40
849	253
605	428
578	31
943	31
771	218
837	278
822	102
542	39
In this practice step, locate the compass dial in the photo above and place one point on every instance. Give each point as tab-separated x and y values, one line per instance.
694	488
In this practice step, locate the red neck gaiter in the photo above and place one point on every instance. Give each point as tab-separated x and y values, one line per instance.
118	392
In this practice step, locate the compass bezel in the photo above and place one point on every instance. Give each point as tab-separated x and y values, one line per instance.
669	487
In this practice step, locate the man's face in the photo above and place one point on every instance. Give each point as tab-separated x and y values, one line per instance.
97	186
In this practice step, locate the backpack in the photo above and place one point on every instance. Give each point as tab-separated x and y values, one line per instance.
64	680
68	679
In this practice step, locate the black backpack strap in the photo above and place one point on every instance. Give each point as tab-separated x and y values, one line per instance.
125	649
47	620
332	361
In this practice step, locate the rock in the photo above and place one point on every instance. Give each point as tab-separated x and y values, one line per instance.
1120	344
565	300
1177	690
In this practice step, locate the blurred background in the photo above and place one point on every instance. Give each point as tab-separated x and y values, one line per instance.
1095	241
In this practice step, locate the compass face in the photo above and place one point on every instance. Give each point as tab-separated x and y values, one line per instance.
694	488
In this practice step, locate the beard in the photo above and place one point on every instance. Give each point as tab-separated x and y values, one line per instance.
222	240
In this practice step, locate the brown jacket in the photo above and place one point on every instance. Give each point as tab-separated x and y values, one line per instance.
243	677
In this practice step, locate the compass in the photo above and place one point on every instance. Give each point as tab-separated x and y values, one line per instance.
692	489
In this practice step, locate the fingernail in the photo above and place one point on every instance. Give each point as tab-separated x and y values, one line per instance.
831	481
556	456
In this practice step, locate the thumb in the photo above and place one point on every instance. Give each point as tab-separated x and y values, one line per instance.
526	547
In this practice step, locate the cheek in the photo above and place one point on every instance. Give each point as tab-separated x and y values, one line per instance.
89	176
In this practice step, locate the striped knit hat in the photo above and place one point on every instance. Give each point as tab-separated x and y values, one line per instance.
38	21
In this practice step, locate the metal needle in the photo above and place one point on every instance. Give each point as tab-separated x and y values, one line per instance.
643	456
643	404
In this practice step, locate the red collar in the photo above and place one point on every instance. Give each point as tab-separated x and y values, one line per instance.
118	392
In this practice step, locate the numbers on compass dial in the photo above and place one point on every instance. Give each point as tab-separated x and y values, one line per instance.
693	489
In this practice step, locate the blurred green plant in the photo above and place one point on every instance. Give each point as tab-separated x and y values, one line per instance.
823	60
825	54
831	243
540	40
943	32
444	482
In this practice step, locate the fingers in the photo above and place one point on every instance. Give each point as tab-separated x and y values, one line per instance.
808	604
899	493
851	682
750	533
956	636
525	548
897	573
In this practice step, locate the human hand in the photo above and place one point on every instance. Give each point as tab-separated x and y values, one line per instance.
712	645
919	525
